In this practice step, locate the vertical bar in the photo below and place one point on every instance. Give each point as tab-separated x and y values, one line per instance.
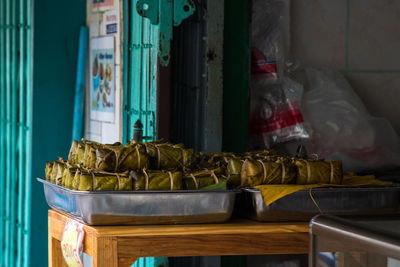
212	127
13	131
28	134
164	69
21	151
145	74
135	69
153	99
125	67
236	75
8	133
2	126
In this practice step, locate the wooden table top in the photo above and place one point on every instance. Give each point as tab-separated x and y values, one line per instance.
235	237
234	226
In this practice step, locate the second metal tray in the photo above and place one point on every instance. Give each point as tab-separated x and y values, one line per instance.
141	207
336	201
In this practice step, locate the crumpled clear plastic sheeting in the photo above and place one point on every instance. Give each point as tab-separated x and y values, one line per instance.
269	38
343	129
275	114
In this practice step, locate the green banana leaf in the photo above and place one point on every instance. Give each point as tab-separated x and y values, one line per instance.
220	186
120	159
319	171
203	178
68	177
48	170
157	180
166	156
261	172
233	173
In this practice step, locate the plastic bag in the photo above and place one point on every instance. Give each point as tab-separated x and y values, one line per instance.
275	115
343	129
269	38
72	243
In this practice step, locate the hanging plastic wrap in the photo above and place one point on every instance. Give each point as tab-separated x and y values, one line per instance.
275	114
343	129
269	38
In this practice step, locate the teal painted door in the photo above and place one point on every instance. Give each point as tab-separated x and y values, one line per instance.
142	74
142	80
15	131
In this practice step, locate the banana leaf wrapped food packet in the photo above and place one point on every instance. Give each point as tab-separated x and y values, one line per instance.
260	154
72	155
57	172
261	172
233	171
203	178
166	156
157	180
214	160
48	170
89	180
117	158
77	153
68	176
319	172
89	158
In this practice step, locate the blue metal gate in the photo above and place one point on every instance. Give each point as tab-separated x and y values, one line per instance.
15	131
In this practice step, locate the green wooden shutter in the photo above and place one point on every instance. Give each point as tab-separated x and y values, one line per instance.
142	74
15	131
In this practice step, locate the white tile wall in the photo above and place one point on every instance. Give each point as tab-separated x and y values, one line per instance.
374	34
321	31
380	93
318	32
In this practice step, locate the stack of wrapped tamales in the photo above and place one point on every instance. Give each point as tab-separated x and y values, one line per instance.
92	166
159	165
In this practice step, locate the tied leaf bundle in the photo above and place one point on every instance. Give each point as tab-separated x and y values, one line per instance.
157	180
214	160
204	178
168	157
120	159
89	180
319	172
48	170
233	171
261	172
57	172
68	175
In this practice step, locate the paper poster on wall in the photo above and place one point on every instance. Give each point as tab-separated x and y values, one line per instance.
102	79
101	5
110	22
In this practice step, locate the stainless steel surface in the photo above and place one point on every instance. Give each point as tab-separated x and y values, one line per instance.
331	233
141	207
335	201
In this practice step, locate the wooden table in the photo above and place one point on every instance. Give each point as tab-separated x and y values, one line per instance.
122	245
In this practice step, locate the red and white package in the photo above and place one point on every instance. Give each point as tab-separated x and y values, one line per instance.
275	114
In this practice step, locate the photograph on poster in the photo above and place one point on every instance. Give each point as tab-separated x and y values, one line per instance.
102	79
101	5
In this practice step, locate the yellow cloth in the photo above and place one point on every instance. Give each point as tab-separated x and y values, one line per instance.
272	193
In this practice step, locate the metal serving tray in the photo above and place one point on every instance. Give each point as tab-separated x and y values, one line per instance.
337	201
141	207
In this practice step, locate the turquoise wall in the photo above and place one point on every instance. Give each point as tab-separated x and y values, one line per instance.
55	34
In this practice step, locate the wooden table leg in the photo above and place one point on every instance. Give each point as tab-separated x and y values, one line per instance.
106	254
126	262
56	258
